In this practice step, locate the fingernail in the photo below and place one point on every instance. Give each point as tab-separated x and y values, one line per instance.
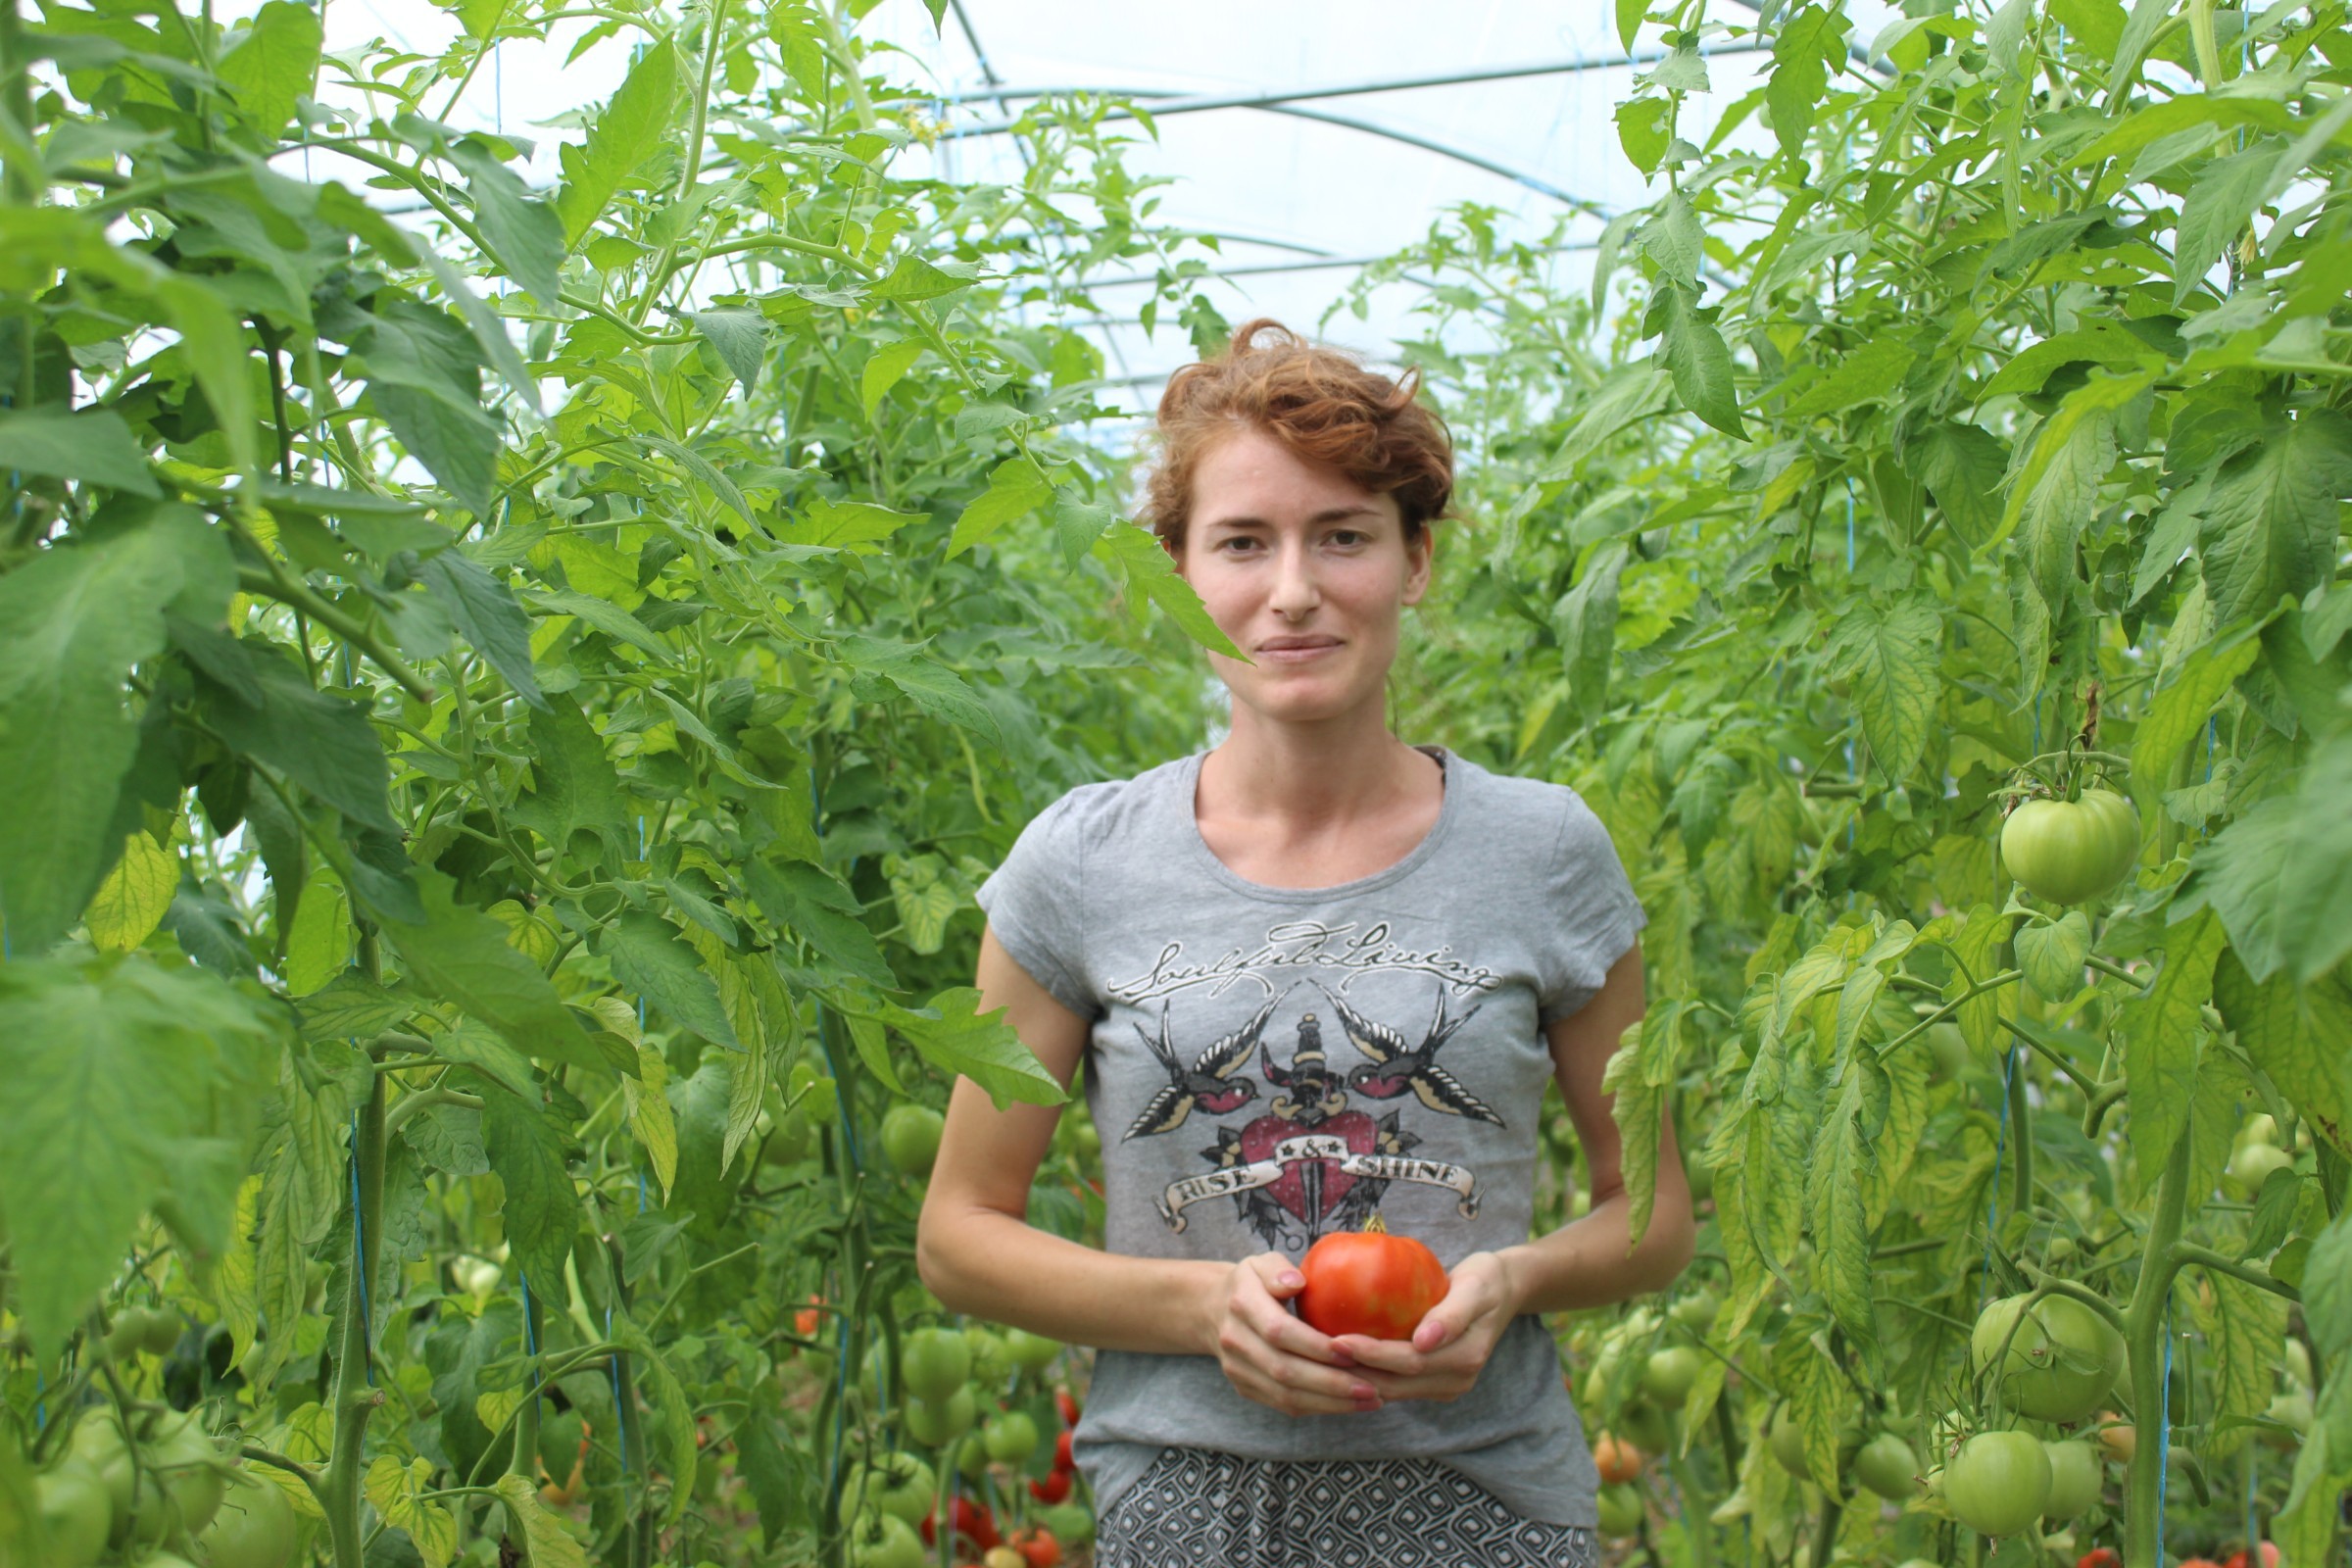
1291	1282
1364	1391
1340	1355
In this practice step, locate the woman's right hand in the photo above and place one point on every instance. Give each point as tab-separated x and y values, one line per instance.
1275	1359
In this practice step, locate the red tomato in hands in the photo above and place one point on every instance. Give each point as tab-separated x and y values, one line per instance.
1371	1283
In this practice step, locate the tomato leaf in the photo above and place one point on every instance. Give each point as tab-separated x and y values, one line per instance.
633	127
2162	1034
648	957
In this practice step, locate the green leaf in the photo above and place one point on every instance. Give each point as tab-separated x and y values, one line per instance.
932	686
424	376
460	955
73	620
488	327
577	786
93	445
1077	524
126	1082
2221	203
705	474
543	1541
2272	522
633	127
1962	466
254	697
954	1036
1806	46
1643	130
838	524
915	278
2301	1037
2161	1034
540	1211
522	227
1145	565
605	617
1628	22
1016	489
648	958
398	1493
1870	373
2245	1331
1700	362
2051	954
130	903
2179	712
873	1049
2057	489
276	62
2315	891
740	335
1585	620
1892	653
818	908
1835	1187
486	613
1673	240
890	362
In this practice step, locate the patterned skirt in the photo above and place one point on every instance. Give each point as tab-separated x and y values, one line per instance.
1196	1508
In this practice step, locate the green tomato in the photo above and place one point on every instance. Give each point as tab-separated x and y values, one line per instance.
183	1479
1787	1444
1031	1352
128	1335
2066	851
1699	1175
76	1513
2259	1128
2123	828
256	1528
2251	1166
2075	1479
1950	1046
2062	1361
1072	1523
934	1364
2292	1411
911	1138
1621	1509
971	1457
1668	1376
163	1330
1646	1427
898	1483
1998	1482
97	1440
1886	1465
885	1541
789	1137
1697	1310
1011	1438
989	1358
937	1423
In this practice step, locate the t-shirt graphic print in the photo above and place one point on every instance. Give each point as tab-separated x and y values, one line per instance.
1270	1066
1312	1161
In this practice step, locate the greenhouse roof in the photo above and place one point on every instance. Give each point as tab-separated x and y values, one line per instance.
1309	138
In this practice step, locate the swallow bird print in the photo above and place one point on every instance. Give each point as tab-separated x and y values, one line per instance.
1208	1083
1395	1067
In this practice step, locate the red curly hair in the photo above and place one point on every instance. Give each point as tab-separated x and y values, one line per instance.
1318	401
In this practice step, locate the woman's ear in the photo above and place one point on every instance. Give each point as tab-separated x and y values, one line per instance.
1420	564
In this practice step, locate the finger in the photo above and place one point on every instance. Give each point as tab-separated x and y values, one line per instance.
1302	1388
1303	1338
1277	1274
1397	1357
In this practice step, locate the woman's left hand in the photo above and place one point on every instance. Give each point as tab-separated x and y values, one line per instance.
1448	1352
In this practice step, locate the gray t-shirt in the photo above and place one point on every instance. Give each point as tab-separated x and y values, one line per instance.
1270	1064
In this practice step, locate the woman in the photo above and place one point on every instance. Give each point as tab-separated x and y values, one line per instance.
1317	977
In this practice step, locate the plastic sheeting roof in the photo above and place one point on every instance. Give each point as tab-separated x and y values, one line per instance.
1310	136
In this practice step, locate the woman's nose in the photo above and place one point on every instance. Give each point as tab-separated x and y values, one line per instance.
1295	589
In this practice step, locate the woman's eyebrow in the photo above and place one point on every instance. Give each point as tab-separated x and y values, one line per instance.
1327	514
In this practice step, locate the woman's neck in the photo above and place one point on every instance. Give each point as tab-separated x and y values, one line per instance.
1300	781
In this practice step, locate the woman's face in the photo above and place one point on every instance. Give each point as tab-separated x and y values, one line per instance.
1306	571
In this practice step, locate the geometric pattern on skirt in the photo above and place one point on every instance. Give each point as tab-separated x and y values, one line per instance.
1196	1508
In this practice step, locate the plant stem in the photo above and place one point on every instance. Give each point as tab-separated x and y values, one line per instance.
354	1398
276	584
1824	1530
2144	1338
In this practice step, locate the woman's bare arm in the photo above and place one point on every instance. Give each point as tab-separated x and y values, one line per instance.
978	1253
